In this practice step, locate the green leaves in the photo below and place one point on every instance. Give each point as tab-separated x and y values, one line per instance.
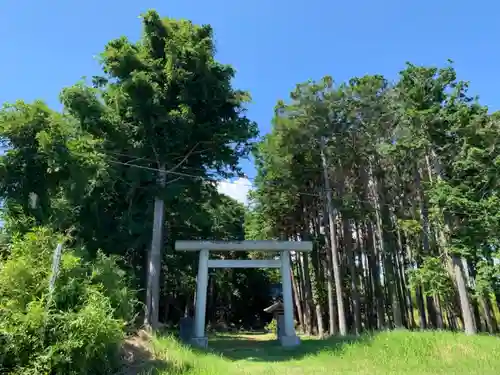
81	331
433	278
487	278
49	156
171	94
416	160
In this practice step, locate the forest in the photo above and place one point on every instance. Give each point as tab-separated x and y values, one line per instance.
396	183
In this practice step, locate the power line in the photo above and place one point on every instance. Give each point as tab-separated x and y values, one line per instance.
181	174
205	178
158	170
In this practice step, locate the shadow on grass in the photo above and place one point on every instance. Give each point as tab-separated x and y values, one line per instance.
138	360
250	348
232	335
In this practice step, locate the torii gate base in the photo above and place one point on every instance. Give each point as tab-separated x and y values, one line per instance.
204	247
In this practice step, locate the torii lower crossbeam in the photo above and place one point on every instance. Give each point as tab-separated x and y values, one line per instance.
204	247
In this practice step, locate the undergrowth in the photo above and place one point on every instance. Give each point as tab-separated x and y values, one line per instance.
78	329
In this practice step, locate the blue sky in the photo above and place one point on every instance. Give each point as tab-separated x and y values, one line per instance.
273	44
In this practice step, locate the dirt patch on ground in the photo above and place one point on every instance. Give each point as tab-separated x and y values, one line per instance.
137	355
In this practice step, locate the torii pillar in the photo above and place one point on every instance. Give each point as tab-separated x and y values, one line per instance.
289	338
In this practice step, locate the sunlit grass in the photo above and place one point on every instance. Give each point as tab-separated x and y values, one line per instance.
398	353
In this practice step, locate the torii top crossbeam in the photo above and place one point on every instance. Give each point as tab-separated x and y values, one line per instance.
268	246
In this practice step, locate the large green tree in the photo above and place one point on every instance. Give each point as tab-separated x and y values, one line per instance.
166	103
149	138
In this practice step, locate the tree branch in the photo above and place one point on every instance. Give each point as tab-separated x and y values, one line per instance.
183	159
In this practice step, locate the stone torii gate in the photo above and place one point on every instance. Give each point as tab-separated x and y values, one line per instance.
204	247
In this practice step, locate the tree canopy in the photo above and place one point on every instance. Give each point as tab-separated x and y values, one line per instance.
397	180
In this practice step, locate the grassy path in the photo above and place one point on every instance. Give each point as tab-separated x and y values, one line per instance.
389	353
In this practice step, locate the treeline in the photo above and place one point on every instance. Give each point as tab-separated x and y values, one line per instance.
397	185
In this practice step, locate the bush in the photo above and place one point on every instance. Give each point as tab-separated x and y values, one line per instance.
272	326
77	330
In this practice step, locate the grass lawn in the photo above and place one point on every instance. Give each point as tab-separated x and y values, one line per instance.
398	353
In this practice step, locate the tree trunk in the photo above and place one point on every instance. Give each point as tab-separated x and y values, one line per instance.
332	306
456	264
362	273
431	312
211	308
401	282
409	303
373	260
308	318
497	299
302	288
316	276
386	243
469	326
439	312
297	299
154	260
319	320
493	316
488	316
315	285
354	277
333	242
372	254
452	320
421	307
370	301
424	213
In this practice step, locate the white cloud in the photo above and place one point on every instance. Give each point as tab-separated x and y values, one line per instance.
237	189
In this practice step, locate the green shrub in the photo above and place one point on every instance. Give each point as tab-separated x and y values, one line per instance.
79	329
272	326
